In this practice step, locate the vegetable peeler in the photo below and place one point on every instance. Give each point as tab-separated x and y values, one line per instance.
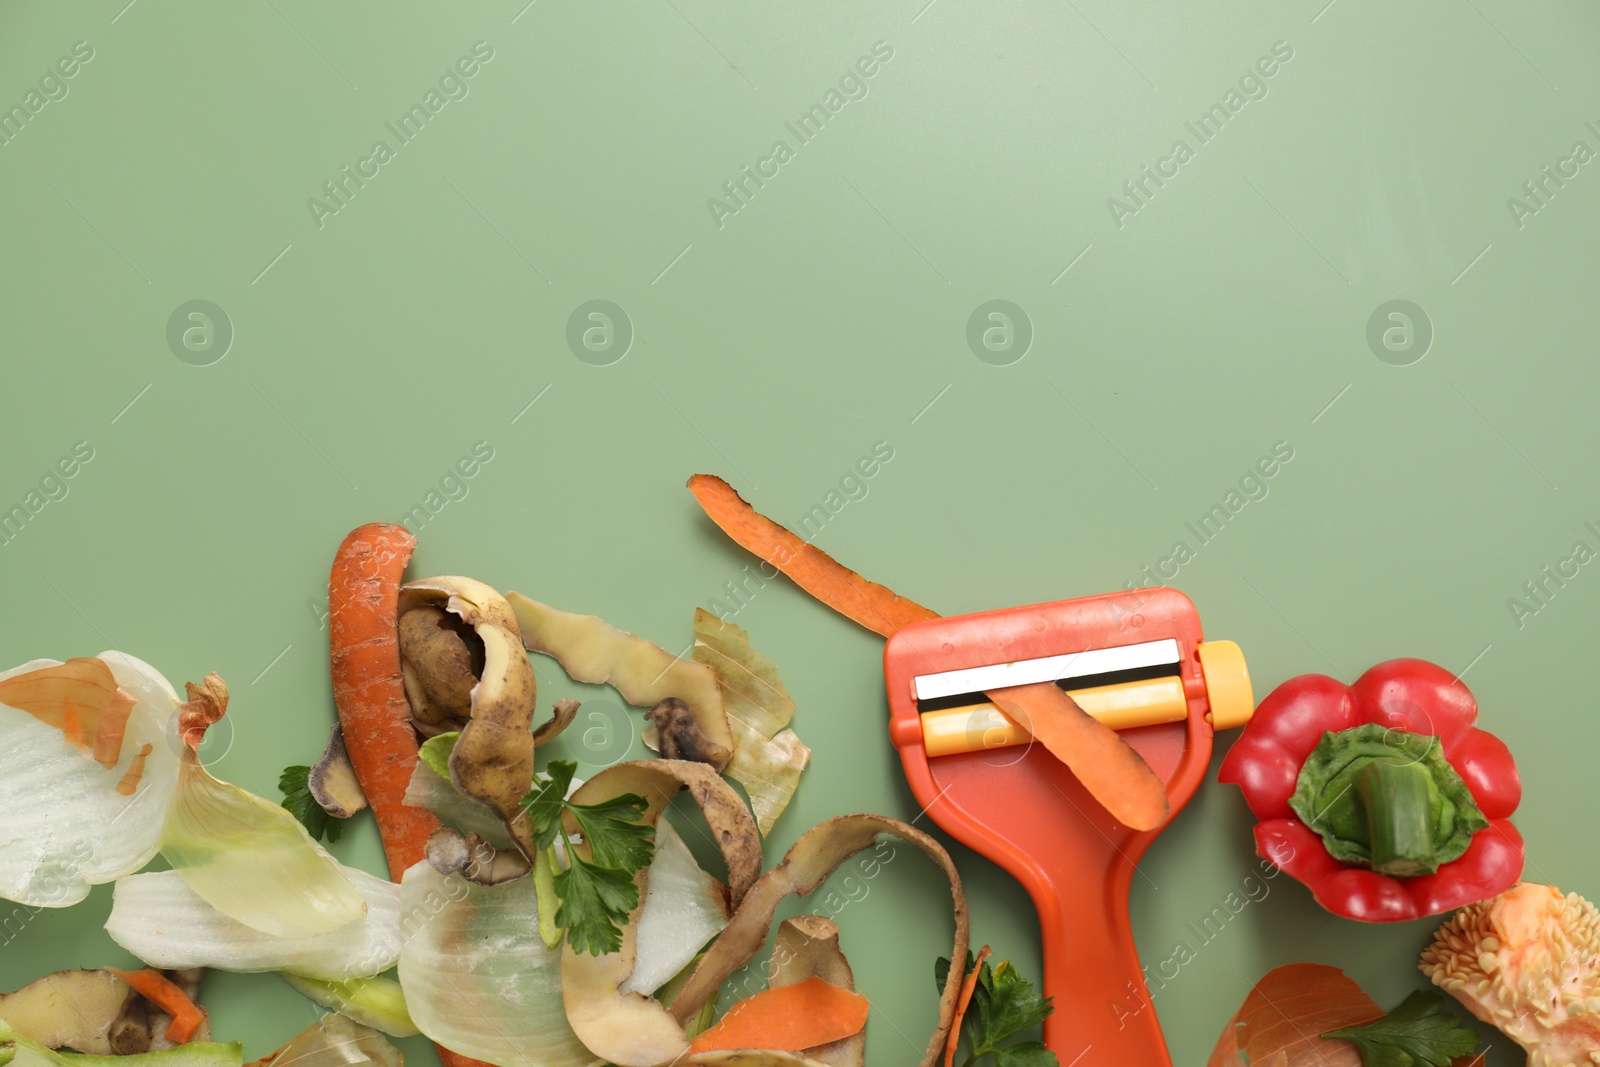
1137	661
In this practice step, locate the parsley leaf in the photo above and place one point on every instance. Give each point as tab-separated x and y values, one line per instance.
593	898
548	798
294	783
1422	1030
596	895
615	837
1004	1004
1012	1003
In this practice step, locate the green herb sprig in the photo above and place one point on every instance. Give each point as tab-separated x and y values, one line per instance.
295	785
1422	1030
598	894
1004	1004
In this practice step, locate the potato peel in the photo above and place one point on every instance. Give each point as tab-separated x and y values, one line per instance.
631	1029
644	674
493	759
333	782
436	669
561	716
87	1011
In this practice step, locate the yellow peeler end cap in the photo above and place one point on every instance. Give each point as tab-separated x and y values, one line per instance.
1227	684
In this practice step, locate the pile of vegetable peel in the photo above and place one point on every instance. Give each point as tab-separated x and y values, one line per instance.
536	919
533	918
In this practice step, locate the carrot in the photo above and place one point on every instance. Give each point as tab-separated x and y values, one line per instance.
969	985
1109	768
865	603
159	990
364	642
364	651
788	1018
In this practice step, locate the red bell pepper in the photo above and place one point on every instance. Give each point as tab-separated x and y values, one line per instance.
1407	801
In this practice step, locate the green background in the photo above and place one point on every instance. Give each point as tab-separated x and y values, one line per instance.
1227	314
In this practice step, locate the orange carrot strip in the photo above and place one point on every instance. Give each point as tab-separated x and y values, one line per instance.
155	987
866	603
364	641
789	1018
1113	772
364	652
968	986
1110	769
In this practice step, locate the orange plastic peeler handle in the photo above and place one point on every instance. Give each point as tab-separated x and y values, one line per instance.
1023	809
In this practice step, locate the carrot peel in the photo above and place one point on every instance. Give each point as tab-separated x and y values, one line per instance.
868	604
1110	769
159	990
788	1018
969	985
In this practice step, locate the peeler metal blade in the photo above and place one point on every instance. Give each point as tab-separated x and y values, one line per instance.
1046	669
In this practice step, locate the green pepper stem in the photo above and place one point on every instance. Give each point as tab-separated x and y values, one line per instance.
1400	817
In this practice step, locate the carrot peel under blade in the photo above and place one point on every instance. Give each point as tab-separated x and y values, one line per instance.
1110	769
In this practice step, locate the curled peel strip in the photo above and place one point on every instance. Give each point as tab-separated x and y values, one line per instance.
493	759
632	1030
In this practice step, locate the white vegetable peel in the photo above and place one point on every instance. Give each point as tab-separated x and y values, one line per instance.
159	918
67	827
684	907
249	858
477	977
